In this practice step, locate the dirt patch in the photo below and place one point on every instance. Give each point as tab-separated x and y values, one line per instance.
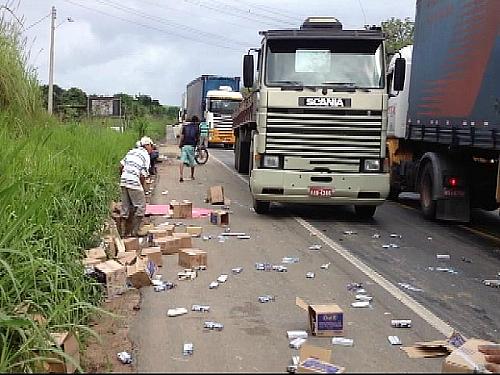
100	356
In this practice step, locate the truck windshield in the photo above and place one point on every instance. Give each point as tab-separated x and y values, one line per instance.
223	106
346	63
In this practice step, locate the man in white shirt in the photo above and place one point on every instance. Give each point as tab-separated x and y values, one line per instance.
134	169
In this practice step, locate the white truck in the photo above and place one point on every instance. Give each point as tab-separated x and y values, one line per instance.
220	105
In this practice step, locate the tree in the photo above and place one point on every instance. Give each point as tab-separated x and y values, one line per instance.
399	33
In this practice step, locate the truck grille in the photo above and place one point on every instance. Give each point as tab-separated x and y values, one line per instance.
223	122
325	139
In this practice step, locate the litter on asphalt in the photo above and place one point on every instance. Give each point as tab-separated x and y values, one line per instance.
125	358
467	260
310	275
213	285
187	349
266	298
297	343
443	256
237	270
401	323
243	237
363	297
177	311
213	326
200	308
342	341
350	232
394	340
410	287
222	278
394	235
296	334
289	260
315	247
280	268
294	364
354	286
376	235
360	304
492	283
325	266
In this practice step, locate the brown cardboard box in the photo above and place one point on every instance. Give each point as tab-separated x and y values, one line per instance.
185	240
158	233
96	253
153	254
189	258
215	195
67	342
169	245
115	277
131	244
463	359
91	261
324	320
126	258
139	273
316	360
194	231
181	210
219	217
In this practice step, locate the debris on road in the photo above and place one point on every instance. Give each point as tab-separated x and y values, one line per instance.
410	287
297	343
492	283
315	247
177	311
206	238
187	274
237	270
125	358
310	275
467	260
243	237
443	269
360	304
443	256
266	298
394	235
325	266
213	326
290	260
363	297
222	278
293	366
201	267
165	192
263	266
200	308
342	341
187	349
354	287
280	268
296	334
213	285
350	232
394	340
401	323
376	235
331	313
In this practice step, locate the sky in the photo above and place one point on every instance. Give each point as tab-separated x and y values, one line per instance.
156	47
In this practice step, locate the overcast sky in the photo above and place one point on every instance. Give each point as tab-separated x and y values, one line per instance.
155	47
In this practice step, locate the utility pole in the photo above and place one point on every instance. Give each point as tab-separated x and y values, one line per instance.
50	99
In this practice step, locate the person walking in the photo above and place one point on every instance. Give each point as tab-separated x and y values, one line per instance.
204	133
134	169
190	135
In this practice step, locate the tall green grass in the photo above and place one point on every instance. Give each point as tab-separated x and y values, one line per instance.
56	183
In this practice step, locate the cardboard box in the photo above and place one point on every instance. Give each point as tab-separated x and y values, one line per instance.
324	320
316	360
126	258
158	233
181	210
190	258
114	275
215	195
96	253
194	231
67	342
169	245
131	244
91	261
141	272
185	240
219	217
153	254
465	358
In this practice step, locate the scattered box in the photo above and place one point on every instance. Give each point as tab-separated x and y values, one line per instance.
185	240
324	320
67	342
153	254
114	276
219	217
466	359
96	253
316	360
215	195
140	273
126	258
190	258
91	261
131	244
159	233
194	231
169	245
181	210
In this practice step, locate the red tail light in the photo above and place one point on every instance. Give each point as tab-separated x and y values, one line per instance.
452	182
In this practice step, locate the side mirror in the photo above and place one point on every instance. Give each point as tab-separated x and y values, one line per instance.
248	70
399	74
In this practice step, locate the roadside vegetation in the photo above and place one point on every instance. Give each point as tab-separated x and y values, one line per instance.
57	180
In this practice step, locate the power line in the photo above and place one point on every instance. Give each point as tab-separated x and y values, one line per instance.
152	27
37	22
362	10
273	10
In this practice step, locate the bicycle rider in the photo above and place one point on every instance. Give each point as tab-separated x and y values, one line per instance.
190	136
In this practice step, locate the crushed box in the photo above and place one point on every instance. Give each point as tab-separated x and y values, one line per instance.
190	258
324	320
114	276
67	342
194	231
96	253
219	217
185	240
153	254
181	210
215	195
141	272
466	359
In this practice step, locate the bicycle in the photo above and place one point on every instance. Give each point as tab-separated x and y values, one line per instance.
201	154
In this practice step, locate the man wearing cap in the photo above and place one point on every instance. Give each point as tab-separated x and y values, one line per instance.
134	169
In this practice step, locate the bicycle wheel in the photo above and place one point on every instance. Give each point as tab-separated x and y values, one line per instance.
201	155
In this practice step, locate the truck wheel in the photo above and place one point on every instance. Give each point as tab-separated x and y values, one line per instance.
427	204
237	153
365	212
261	207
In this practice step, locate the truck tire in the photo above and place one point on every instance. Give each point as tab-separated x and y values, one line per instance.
365	212
243	157
427	204
237	153
261	207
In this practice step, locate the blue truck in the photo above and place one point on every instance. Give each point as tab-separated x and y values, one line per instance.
444	109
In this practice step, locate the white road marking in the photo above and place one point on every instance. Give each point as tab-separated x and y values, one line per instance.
436	322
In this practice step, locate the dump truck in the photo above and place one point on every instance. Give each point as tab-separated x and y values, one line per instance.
444	110
312	129
214	99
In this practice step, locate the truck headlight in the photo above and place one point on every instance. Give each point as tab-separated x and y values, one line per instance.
271	161
371	165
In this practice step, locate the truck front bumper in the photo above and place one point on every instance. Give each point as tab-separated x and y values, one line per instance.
290	186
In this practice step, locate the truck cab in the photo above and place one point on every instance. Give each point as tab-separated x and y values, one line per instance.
220	105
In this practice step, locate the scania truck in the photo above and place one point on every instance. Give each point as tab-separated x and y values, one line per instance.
444	109
313	128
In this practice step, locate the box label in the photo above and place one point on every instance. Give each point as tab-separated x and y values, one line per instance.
330	322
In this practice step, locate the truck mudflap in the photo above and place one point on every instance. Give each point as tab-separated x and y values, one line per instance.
319	188
453	209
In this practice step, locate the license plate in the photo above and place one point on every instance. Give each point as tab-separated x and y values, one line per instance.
316	191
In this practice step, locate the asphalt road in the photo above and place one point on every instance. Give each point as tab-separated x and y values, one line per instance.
458	298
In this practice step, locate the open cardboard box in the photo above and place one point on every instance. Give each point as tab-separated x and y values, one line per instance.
215	195
466	359
67	342
316	360
324	320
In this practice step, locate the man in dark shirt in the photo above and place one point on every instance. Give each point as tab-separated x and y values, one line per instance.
190	136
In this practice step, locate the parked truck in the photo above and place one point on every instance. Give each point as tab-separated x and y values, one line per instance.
313	128
444	109
213	99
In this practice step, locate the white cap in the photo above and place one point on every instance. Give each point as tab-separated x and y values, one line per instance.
146	141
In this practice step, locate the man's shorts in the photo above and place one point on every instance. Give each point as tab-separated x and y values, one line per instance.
187	156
